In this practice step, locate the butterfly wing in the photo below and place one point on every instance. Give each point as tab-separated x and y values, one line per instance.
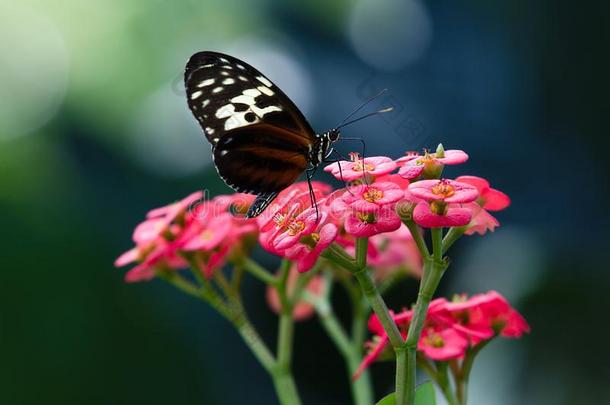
225	93
261	141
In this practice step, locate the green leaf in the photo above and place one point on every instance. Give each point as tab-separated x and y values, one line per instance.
388	399
424	395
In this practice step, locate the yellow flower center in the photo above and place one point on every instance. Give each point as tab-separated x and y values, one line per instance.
359	164
426	159
280	220
434	339
438	207
206	235
369	218
295	227
443	189
372	194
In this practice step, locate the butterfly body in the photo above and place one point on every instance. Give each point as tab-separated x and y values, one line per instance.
261	142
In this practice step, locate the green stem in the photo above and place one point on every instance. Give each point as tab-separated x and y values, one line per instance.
433	271
350	350
336	253
379	307
463	375
282	374
258	271
232	313
362	388
418	238
369	290
444	383
452	235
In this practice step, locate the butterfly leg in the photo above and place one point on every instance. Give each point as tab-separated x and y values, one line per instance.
337	161
312	194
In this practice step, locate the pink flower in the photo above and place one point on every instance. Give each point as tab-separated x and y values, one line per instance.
439	206
485	315
210	235
413	164
481	222
489	198
303	225
358	167
370	198
360	224
451	327
453	215
448	191
204	230
442	344
302	310
309	248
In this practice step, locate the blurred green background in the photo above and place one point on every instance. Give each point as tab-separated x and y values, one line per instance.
94	131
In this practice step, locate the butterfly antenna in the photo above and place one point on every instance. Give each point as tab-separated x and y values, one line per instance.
385	110
361	106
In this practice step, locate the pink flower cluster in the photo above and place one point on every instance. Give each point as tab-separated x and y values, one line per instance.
374	206
452	327
204	231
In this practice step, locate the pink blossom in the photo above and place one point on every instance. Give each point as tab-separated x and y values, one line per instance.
413	164
451	327
210	235
358	167
204	230
453	215
481	222
448	191
369	198
303	225
308	249
489	198
442	344
360	224
484	315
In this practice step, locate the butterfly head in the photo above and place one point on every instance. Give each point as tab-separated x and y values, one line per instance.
323	147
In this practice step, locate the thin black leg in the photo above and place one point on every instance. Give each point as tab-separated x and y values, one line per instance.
312	194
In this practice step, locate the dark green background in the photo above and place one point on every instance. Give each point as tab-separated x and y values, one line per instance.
522	86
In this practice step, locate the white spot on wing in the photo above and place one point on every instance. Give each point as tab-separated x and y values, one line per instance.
205	102
242	99
217	89
264	80
262	111
228	80
196	94
242	78
225	111
209	130
224	73
266	90
252	92
206	82
240	66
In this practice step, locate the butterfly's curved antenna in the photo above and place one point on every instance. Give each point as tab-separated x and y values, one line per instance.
361	106
384	110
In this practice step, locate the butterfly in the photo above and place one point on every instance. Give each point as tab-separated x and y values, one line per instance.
261	142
